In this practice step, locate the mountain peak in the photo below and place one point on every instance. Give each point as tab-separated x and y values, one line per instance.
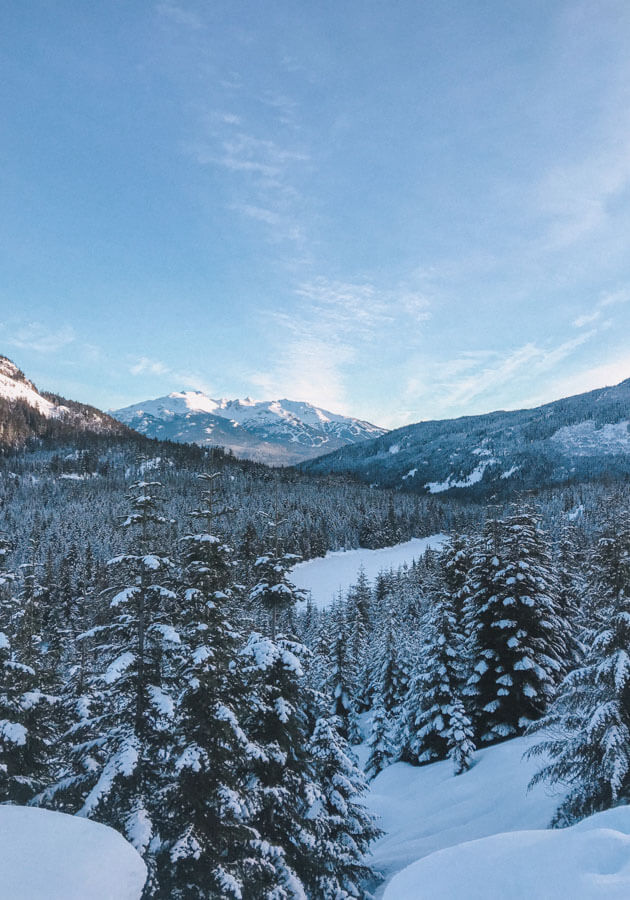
280	432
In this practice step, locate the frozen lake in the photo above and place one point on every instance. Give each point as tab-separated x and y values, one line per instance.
326	575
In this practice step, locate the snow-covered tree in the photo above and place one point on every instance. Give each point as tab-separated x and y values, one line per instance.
344	828
274	590
518	638
342	676
283	787
119	743
208	851
26	712
586	733
436	724
382	749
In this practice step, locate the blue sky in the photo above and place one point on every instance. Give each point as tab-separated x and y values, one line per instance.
401	210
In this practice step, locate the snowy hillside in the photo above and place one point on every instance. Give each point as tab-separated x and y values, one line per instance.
25	412
476	457
15	386
275	431
485	830
53	856
325	576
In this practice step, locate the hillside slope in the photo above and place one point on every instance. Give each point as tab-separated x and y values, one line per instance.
27	413
478	457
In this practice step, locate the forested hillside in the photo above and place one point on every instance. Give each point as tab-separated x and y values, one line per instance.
581	438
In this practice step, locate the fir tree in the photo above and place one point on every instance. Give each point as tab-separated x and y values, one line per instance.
437	725
382	749
283	788
26	712
518	637
119	743
344	827
209	846
586	733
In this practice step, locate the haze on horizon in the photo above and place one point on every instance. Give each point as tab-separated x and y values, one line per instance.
395	212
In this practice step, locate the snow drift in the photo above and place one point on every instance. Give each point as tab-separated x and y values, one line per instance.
53	856
587	861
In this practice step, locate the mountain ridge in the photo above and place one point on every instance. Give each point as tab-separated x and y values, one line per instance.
497	453
277	432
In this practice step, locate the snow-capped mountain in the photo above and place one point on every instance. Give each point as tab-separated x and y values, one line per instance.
26	412
280	432
579	438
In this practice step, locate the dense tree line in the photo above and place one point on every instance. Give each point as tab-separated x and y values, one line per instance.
171	703
508	630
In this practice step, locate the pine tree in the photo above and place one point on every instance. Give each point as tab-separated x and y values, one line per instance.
283	789
119	743
342	677
437	725
382	750
586	733
518	637
26	712
273	589
344	827
206	804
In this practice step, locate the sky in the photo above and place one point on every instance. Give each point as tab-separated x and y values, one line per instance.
398	211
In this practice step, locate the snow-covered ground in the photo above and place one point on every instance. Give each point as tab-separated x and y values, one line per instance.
483	835
325	576
588	861
51	856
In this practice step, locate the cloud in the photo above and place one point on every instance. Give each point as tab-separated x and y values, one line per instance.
36	336
481	381
331	327
179	379
614	298
180	15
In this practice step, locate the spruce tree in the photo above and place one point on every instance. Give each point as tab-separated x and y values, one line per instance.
518	638
208	850
344	828
586	733
283	789
436	724
26	712
382	749
120	741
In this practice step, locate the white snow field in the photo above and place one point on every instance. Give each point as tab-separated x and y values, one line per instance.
326	575
483	836
52	856
587	861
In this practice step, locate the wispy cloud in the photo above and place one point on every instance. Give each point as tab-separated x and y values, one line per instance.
481	381
615	298
177	378
180	15
331	326
36	336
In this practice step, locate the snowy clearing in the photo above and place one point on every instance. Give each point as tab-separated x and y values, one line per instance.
425	809
325	576
53	856
588	861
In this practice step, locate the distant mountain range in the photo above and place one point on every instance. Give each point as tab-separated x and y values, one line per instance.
277	432
27	413
576	439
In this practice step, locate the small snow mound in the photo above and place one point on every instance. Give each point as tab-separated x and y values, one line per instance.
53	856
584	862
